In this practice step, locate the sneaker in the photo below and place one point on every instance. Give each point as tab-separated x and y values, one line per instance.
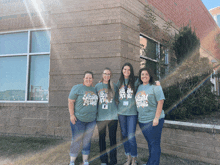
72	163
103	164
86	163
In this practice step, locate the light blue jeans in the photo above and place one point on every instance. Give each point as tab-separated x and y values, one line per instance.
81	131
128	128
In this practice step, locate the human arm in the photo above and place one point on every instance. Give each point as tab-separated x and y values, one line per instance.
71	110
158	112
157	83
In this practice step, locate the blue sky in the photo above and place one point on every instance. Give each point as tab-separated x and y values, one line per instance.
209	4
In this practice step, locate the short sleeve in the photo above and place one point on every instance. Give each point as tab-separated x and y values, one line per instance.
118	84
116	91
96	88
136	84
73	93
158	91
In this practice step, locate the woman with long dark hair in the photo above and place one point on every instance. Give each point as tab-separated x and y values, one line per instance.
149	101
107	116
127	112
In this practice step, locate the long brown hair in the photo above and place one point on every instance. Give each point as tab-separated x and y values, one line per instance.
131	77
111	90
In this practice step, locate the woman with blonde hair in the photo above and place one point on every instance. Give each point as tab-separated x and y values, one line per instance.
107	116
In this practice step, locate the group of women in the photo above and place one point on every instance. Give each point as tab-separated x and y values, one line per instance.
129	101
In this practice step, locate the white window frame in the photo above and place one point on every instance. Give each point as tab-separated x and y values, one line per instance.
28	54
158	44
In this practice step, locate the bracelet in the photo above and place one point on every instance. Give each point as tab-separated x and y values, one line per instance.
72	115
156	118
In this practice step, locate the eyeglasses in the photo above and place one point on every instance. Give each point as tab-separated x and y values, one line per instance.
107	74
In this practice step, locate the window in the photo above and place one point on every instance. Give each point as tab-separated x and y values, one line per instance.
152	52
24	66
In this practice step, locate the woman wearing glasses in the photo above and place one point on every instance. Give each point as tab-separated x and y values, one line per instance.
107	116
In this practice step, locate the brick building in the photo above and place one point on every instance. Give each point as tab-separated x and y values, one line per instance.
45	47
215	12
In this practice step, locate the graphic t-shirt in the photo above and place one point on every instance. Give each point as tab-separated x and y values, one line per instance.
85	107
107	109
146	98
126	99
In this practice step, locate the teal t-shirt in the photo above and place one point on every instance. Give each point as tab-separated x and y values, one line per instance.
126	104
85	107
146	98
107	110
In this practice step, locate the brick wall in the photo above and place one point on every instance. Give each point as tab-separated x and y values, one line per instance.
194	13
188	140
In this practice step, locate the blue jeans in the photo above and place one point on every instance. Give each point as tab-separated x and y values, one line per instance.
81	131
112	129
153	136
128	128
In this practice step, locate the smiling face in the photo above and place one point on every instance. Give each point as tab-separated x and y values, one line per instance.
126	72
88	80
145	77
106	76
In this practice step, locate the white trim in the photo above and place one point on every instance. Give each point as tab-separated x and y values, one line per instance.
8	55
149	37
41	53
27	54
28	65
147	58
23	101
19	31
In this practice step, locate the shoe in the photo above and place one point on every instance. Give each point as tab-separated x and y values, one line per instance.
112	163
134	161
72	163
103	163
86	163
128	162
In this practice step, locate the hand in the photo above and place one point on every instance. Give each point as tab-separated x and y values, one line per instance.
155	121
73	119
157	83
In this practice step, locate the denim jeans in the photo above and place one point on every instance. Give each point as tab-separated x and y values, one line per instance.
112	129
128	128
153	136
81	132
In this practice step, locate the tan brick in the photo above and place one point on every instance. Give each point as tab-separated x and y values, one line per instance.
85	50
74	6
63	132
14	121
31	130
80	34
86	18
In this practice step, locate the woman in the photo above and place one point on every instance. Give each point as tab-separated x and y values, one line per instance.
128	112
82	103
107	116
149	101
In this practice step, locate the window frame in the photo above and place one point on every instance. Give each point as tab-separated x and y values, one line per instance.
28	54
158	45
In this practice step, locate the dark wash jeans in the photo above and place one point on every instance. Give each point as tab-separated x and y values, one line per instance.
112	128
153	136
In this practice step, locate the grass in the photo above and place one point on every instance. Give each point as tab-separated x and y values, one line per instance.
15	146
46	151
